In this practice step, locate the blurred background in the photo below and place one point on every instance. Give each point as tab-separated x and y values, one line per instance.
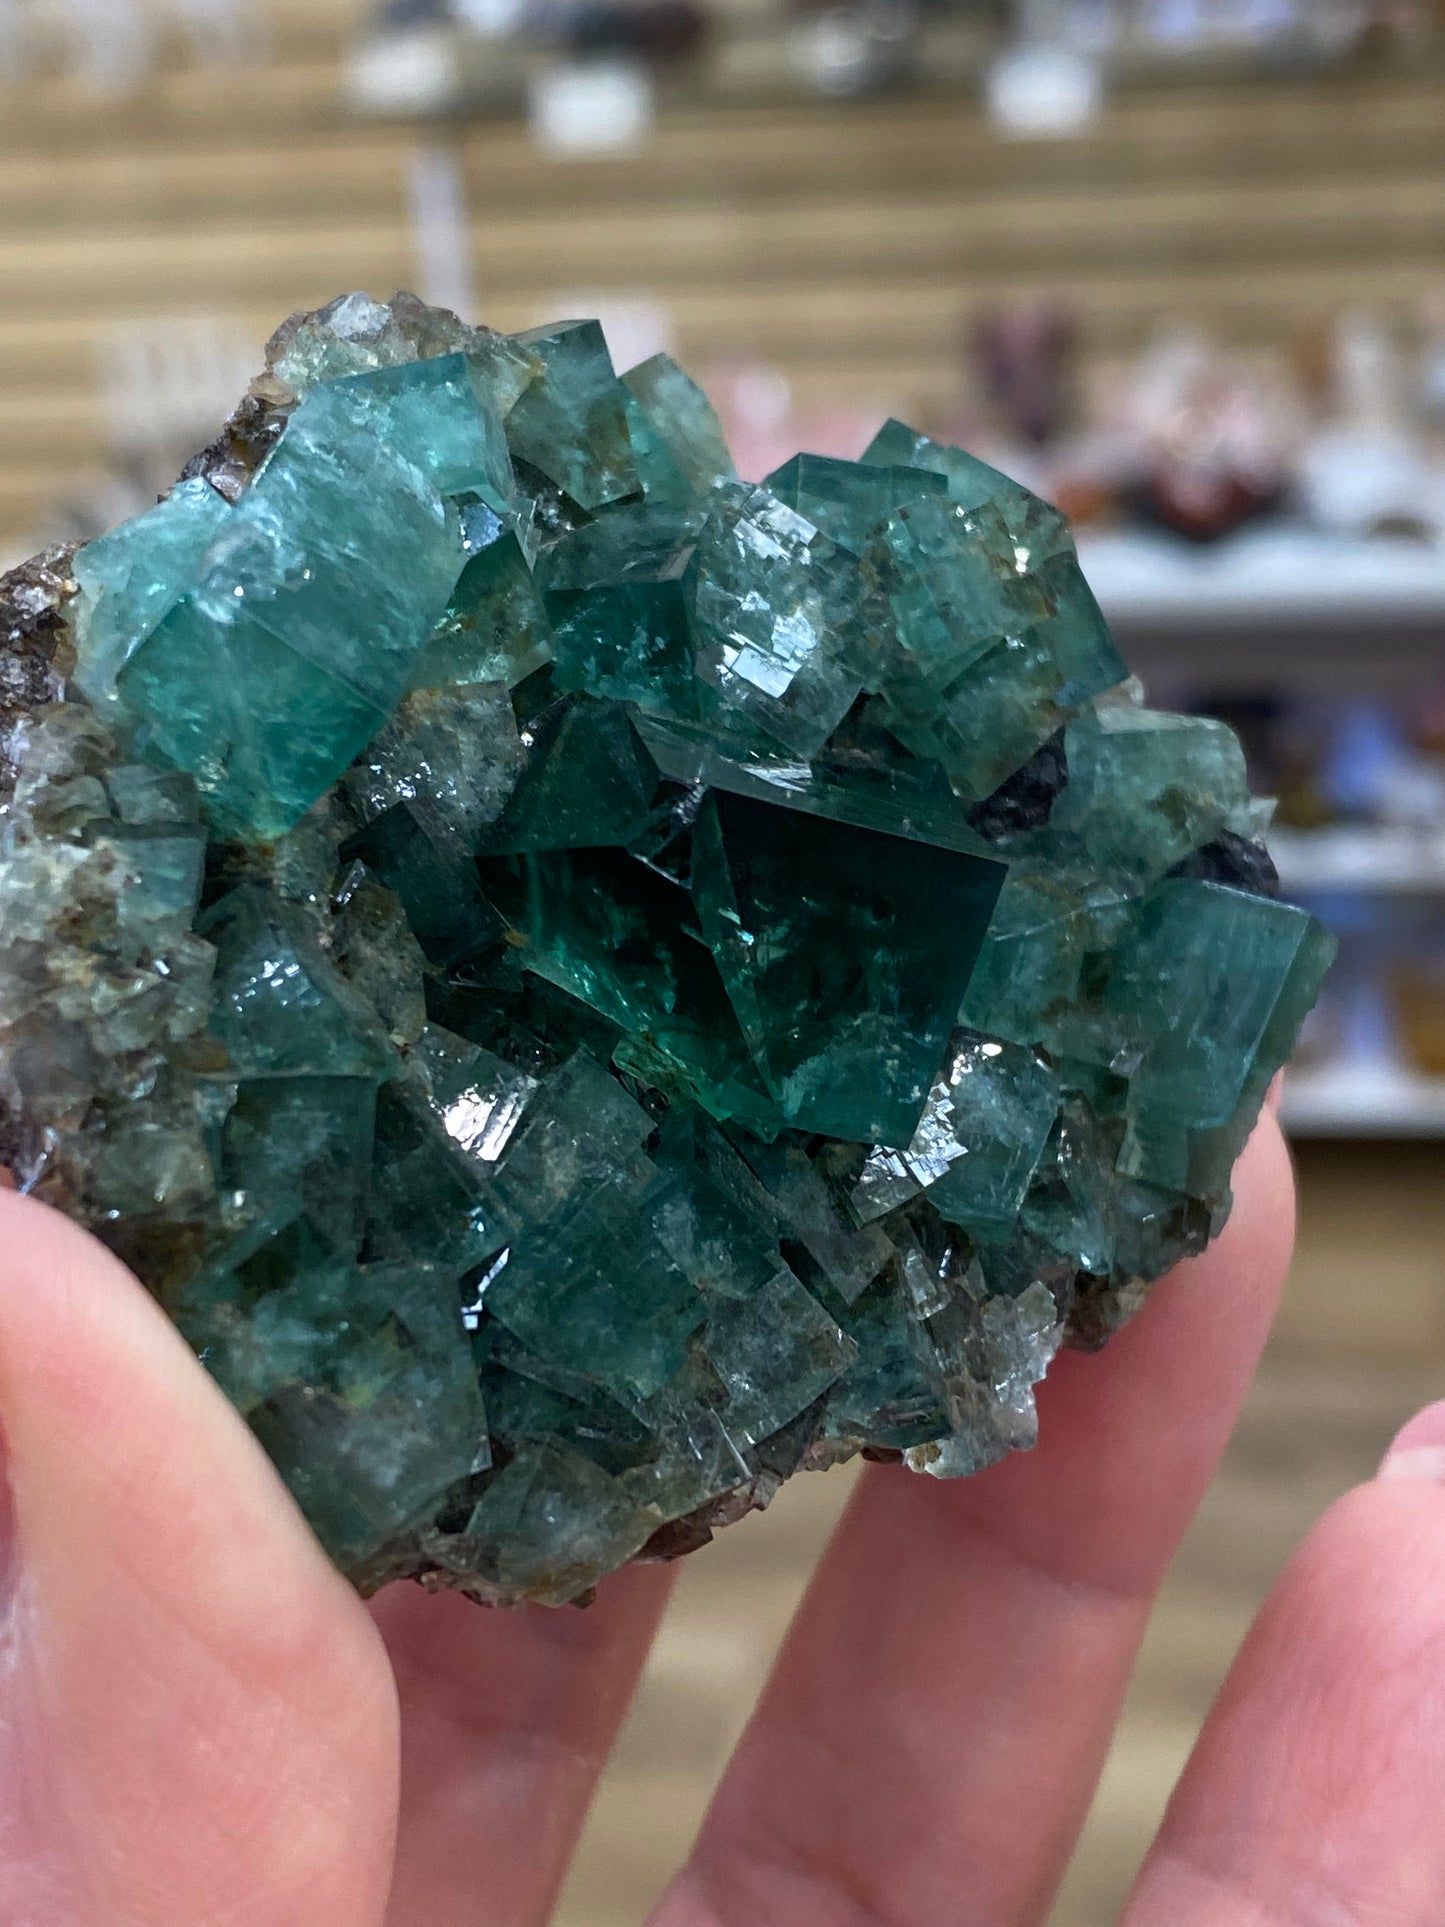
1178	264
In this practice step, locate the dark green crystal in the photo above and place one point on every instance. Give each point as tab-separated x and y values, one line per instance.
586	986
844	952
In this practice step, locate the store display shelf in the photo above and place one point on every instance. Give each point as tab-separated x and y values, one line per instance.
1277	572
1381	861
1274	604
1362	1100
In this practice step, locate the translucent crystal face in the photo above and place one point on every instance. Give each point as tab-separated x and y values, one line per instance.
585	985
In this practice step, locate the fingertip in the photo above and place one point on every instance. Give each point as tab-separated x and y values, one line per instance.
113	1427
1260	1229
1374	1564
1417	1450
59	1287
1226	1297
208	1699
1320	1773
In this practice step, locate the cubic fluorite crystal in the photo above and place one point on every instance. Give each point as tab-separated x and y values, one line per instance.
584	985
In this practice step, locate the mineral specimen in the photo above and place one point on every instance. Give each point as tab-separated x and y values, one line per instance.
584	985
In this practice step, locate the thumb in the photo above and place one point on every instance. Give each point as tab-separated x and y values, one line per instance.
197	1718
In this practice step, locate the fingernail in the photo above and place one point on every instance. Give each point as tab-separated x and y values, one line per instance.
1418	1449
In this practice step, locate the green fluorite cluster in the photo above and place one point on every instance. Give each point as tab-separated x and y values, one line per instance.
585	985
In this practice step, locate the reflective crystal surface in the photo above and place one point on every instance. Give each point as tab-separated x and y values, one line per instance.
585	986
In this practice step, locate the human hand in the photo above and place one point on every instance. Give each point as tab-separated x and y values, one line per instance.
202	1726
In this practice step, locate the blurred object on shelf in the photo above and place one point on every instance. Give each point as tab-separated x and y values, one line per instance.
602	105
112	47
1025	356
168	383
1373	770
1302	803
490	19
222	32
1049	83
110	44
1045	67
1366	1063
1344	436
844	52
653	30
1275	605
1289	35
441	234
405	65
1044	90
1430	388
397	16
1427	722
17	41
1359	856
1213	437
1419	988
1366	469
1363	1100
1361	839
764	426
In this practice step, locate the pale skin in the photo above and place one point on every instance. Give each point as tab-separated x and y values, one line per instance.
202	1726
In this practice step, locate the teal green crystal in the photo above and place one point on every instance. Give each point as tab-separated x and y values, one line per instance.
495	628
588	782
550	1521
278	1006
303	1142
454	750
267	676
615	596
439	416
844	952
774	607
1147	787
978	1142
1036	529
850	501
570	421
364	1394
677	439
130	578
587	986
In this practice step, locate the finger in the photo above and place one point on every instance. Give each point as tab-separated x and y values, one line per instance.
506	1721
1418	1449
931	1737
1316	1791
196	1717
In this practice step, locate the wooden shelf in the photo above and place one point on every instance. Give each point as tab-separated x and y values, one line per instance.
848	245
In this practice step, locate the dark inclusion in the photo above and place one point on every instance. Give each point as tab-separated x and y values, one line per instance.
1025	800
585	986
